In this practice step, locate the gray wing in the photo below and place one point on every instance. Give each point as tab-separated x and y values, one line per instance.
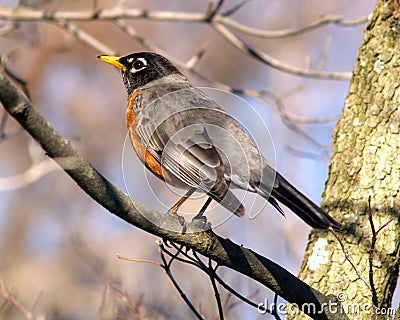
181	144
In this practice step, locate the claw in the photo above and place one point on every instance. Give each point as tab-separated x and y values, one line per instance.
171	212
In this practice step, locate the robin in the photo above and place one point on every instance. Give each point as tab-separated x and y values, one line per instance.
186	139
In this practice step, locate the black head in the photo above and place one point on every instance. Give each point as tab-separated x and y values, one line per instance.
138	69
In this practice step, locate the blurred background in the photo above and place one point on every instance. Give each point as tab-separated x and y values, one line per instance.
56	241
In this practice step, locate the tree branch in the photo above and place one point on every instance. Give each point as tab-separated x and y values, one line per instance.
25	13
273	62
218	22
223	251
276	34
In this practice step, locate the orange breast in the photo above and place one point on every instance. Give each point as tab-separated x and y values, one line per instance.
144	155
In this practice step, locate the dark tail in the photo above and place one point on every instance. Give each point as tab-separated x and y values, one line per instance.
307	210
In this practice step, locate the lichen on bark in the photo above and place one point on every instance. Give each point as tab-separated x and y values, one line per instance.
365	165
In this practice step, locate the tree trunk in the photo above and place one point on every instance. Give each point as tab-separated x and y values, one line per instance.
365	165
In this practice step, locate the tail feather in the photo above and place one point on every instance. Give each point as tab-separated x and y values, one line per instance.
222	194
307	210
275	204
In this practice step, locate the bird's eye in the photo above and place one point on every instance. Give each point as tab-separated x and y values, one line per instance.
138	65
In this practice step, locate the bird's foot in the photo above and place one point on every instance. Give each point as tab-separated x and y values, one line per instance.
181	220
200	218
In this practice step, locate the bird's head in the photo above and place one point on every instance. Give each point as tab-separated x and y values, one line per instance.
141	68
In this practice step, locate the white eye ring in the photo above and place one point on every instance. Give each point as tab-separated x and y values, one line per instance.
143	65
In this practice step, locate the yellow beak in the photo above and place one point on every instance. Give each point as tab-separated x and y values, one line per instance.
114	61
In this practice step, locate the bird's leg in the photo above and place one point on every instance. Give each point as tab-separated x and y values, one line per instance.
200	216
174	209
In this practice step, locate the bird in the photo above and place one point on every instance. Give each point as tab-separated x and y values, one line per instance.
186	139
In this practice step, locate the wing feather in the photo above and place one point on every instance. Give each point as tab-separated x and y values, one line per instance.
192	158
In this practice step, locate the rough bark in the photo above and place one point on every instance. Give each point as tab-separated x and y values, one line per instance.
365	165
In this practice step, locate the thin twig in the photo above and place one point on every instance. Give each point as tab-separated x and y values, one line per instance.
190	64
167	267
235	303
216	293
304	154
21	82
278	34
187	260
130	31
126	308
35	172
275	309
35	301
174	256
273	62
384	226
234	9
349	259
293	126
372	251
211	272
371	255
199	261
212	12
318	67
9	297
84	36
267	98
138	260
